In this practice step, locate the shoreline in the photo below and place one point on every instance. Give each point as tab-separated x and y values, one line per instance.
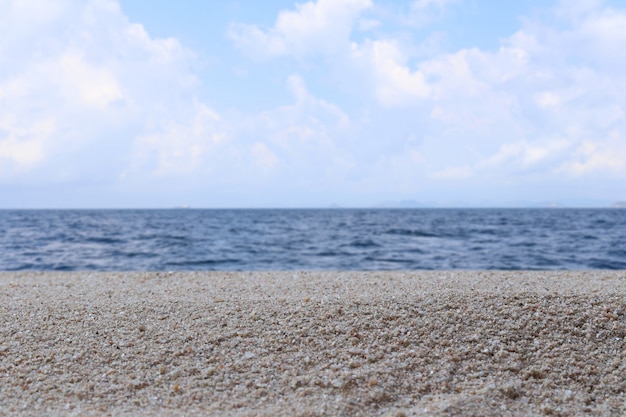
313	343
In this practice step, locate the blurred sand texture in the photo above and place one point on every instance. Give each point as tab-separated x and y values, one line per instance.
397	344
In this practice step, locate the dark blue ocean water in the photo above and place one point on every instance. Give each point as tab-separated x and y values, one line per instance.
353	239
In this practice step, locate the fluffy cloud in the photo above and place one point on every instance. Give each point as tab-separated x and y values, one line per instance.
549	102
307	141
178	146
314	27
600	156
92	97
84	103
395	83
97	100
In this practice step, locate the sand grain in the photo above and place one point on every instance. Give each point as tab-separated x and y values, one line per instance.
313	344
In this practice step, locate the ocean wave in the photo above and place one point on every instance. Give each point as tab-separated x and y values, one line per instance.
312	239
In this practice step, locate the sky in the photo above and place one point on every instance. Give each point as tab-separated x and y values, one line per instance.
157	104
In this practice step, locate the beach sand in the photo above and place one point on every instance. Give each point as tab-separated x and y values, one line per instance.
313	343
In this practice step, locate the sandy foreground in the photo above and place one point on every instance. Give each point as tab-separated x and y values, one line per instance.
313	344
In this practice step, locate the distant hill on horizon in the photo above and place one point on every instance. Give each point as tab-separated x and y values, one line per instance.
512	204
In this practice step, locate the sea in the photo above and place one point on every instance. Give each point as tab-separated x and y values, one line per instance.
312	239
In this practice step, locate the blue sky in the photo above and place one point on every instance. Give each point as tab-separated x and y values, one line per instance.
132	103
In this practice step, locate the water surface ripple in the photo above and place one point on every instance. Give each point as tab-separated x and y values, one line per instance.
346	239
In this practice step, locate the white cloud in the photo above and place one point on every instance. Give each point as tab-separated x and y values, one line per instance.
303	143
178	146
506	107
263	155
91	90
95	97
395	83
598	157
525	155
24	146
89	85
307	103
548	99
368	24
527	108
323	27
